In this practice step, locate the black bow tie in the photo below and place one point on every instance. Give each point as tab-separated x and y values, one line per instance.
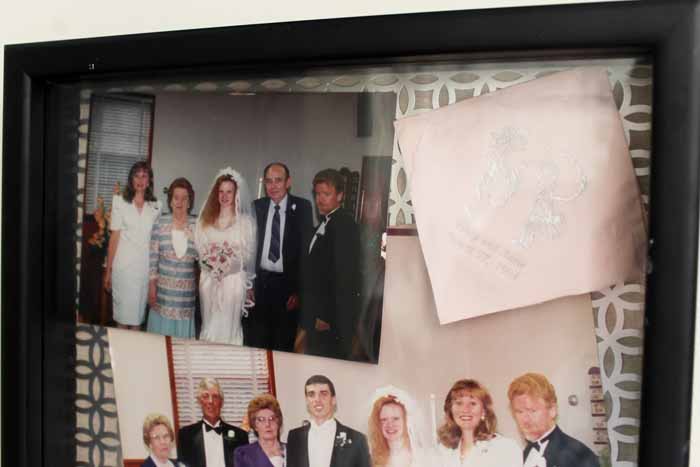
218	429
536	445
532	445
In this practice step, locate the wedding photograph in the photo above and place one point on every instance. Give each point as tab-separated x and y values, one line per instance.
239	218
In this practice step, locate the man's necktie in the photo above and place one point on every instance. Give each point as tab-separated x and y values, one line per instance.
274	253
218	429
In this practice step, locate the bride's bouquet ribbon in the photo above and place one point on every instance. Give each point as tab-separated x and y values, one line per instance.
524	195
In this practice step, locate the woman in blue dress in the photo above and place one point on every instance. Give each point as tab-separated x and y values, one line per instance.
173	259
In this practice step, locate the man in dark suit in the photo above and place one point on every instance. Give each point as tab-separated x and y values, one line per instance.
330	273
533	404
283	220
325	442
209	442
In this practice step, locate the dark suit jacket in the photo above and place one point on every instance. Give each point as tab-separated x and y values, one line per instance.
190	443
349	450
330	288
297	224
252	455
149	463
565	451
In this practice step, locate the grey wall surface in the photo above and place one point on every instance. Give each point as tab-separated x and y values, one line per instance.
195	135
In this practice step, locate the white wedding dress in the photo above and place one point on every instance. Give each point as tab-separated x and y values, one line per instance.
222	290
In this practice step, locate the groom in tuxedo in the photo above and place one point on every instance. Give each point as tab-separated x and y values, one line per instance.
325	442
533	404
330	298
283	222
210	442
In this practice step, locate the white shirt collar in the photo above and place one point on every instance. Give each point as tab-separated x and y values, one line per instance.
539	440
167	463
328	425
218	422
329	214
282	203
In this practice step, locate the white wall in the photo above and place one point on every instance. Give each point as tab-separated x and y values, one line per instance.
141	385
424	358
196	134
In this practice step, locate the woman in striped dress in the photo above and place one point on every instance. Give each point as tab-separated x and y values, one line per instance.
173	259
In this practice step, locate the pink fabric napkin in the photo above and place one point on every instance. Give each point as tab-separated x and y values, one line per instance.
524	195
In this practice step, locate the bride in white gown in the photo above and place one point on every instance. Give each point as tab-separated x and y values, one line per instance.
225	239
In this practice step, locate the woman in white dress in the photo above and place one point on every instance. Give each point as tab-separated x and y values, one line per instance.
394	431
468	436
133	214
225	239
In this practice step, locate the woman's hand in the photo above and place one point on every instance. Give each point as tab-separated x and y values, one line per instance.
107	280
152	297
111	252
250	296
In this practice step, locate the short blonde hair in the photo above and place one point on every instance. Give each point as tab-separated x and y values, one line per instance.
152	421
534	385
209	383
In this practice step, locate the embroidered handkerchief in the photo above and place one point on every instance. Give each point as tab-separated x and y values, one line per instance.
524	195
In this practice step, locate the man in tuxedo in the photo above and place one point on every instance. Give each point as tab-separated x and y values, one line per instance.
283	221
533	404
210	442
330	273
325	442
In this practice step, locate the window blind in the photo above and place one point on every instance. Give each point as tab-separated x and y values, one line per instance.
118	136
242	372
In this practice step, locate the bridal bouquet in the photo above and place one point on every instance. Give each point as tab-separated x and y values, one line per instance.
217	259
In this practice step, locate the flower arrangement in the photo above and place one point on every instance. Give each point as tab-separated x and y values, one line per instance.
217	259
100	239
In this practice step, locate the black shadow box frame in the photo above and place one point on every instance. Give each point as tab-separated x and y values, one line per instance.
38	246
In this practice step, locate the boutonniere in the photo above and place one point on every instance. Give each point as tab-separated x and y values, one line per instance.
294	207
342	439
229	434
